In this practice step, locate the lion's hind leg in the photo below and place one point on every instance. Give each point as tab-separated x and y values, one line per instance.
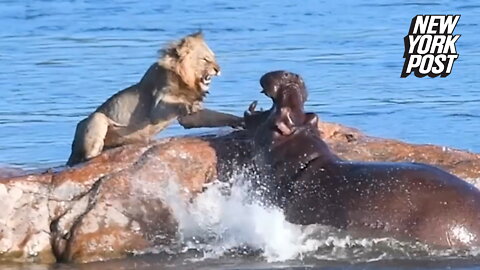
95	132
77	154
89	138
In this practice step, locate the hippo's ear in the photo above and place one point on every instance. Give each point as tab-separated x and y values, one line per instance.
253	106
304	88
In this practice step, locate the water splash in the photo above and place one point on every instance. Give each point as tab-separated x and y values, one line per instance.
228	218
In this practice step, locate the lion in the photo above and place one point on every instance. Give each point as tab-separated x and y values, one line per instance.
172	88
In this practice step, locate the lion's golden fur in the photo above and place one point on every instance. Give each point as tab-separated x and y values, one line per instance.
172	87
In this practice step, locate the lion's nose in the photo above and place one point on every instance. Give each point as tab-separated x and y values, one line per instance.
217	70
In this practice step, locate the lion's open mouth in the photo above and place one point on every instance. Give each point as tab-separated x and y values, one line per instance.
205	82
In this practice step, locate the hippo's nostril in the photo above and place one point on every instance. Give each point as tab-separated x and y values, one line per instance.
286	74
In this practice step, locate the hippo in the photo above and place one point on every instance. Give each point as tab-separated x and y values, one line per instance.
407	201
270	84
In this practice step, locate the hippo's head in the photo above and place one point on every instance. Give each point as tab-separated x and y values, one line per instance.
287	90
271	82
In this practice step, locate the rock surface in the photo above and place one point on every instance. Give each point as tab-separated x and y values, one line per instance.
351	144
114	205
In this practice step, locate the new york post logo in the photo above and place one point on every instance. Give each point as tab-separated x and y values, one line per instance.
430	46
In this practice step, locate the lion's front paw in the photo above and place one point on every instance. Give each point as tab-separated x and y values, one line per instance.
197	106
193	108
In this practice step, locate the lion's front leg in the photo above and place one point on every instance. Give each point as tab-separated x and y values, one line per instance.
210	118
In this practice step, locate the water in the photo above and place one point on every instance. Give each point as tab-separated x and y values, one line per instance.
61	59
229	228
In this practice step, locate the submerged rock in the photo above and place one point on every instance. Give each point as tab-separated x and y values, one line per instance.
115	204
7	172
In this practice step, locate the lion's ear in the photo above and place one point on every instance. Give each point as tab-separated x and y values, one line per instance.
198	34
183	48
170	49
186	44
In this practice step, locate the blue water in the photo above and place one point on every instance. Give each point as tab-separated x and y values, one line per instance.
59	60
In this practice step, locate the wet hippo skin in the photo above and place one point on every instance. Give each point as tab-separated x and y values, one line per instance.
409	201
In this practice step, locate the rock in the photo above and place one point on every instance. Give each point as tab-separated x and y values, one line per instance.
11	172
352	144
120	202
106	208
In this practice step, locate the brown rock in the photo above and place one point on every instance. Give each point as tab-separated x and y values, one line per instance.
352	144
120	202
126	211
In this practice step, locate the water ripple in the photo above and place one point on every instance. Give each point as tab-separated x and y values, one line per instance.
62	59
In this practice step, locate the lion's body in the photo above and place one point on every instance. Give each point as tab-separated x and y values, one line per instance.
173	87
142	110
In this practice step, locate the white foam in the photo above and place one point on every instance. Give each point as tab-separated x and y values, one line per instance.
224	218
227	217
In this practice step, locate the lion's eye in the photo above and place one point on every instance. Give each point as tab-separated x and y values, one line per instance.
206	59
